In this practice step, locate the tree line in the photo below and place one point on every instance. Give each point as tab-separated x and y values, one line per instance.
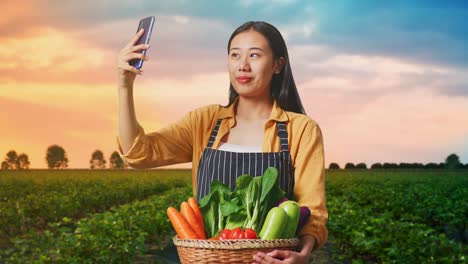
56	158
451	162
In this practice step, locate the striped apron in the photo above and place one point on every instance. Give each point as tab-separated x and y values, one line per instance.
226	166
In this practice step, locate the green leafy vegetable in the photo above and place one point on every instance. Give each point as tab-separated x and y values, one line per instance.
246	207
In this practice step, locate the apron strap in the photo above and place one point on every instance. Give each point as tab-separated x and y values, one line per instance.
281	131
283	136
214	133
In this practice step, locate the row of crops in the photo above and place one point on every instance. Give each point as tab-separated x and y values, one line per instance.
115	236
399	216
111	216
30	200
88	216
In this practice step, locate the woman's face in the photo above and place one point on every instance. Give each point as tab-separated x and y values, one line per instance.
251	64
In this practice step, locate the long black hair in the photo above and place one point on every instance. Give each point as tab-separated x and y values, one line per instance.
283	88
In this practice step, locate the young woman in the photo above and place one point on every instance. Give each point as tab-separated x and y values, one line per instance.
264	124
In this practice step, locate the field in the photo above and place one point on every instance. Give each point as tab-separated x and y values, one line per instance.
103	216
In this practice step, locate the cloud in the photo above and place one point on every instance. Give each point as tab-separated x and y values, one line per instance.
250	3
31	128
75	97
319	67
49	49
89	55
425	31
390	109
298	32
412	126
49	55
83	118
431	32
170	99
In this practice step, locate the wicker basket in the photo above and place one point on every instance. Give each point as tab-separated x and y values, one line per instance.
228	251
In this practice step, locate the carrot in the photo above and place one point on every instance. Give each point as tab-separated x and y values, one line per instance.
193	203
182	228
191	218
196	209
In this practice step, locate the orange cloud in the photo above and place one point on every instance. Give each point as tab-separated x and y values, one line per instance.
31	128
49	49
405	126
15	15
49	55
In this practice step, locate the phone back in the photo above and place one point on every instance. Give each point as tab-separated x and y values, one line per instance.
147	24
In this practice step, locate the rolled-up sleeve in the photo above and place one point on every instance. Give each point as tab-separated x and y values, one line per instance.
170	145
309	187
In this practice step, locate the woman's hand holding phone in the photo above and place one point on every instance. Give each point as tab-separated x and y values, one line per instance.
128	124
126	72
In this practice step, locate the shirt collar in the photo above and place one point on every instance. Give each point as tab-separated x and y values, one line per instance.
277	114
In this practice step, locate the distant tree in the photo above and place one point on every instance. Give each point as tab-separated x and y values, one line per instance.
431	165
349	165
11	160
56	157
23	162
97	160
387	165
334	166
361	166
116	162
376	166
415	165
453	162
404	165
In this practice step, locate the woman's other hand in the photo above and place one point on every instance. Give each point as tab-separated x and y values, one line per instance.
281	256
126	72
286	256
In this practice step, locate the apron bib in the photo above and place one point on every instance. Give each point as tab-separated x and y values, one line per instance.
226	166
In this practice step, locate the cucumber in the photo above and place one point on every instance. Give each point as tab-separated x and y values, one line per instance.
274	224
293	211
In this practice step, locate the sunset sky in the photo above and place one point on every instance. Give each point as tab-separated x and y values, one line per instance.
386	81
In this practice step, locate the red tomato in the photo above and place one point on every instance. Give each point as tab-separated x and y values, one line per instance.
225	234
237	233
250	233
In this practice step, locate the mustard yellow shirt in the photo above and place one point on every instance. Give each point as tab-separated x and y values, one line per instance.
185	140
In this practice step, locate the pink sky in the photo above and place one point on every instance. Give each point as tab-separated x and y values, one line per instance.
57	86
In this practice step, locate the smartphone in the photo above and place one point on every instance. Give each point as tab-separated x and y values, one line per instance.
147	24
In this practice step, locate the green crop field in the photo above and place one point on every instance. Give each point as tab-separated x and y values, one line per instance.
399	216
106	216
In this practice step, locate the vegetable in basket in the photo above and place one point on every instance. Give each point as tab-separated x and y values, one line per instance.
237	233
191	218
281	221
245	207
292	210
181	226
304	214
275	223
188	223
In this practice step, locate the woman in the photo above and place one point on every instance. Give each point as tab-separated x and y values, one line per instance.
263	125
